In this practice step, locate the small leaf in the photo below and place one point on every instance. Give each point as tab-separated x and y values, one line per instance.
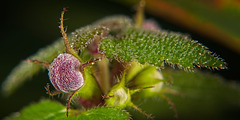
50	110
161	47
82	38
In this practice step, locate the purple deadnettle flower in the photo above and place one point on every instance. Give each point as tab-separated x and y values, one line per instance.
64	73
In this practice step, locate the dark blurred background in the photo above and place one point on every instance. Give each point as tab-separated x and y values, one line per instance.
27	26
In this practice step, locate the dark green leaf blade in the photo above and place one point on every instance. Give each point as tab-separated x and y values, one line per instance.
50	110
161	47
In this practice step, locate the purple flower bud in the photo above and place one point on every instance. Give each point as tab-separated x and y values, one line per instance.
151	25
64	73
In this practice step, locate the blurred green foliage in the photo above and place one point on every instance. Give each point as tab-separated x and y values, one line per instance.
205	96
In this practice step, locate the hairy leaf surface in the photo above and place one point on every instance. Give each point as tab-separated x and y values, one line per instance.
161	47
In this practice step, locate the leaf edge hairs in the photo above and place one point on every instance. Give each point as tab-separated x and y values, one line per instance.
161	47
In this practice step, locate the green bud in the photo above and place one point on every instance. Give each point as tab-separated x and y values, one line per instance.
142	76
90	91
119	95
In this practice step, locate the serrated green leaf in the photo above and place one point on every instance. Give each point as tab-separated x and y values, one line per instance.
161	47
50	110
